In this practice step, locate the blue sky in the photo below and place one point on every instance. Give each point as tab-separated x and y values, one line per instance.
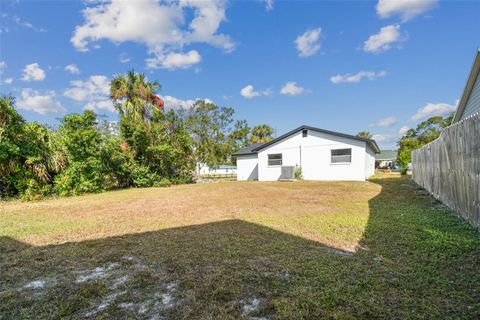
347	66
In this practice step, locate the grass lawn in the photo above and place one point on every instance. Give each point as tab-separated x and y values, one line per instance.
249	250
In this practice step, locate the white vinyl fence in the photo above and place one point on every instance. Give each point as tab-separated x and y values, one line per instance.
449	168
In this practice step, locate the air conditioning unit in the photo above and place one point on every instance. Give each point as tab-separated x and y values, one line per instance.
287	173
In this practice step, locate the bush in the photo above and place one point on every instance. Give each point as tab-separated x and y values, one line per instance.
117	161
80	178
298	173
164	182
142	177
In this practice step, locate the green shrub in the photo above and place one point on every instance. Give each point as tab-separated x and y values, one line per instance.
164	182
298	173
142	177
80	178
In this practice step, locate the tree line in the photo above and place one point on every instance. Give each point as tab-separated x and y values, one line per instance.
148	146
425	132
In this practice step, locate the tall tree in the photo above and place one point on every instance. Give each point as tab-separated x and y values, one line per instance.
29	154
364	134
425	132
239	135
133	95
209	126
86	172
261	133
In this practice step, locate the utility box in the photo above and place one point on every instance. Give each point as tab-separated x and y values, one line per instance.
287	173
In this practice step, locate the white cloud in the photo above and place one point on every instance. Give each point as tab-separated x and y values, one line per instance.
387	122
249	92
384	39
173	61
124	58
268	5
94	92
291	89
172	102
385	138
22	23
98	106
354	78
8	80
164	27
33	72
403	130
3	66
94	88
406	9
433	109
32	100
72	68
389	138
308	43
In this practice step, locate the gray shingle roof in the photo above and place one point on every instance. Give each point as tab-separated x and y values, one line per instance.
248	149
372	144
386	155
254	148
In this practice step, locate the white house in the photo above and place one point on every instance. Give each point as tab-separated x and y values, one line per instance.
223	169
321	155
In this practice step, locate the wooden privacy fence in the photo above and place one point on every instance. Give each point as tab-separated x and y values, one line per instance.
449	168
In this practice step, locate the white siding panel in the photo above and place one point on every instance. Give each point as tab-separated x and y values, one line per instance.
247	167
473	102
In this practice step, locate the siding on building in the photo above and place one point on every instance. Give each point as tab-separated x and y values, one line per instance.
469	103
247	167
312	154
473	102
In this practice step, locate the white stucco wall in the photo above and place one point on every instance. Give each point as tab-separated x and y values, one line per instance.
312	153
369	163
247	167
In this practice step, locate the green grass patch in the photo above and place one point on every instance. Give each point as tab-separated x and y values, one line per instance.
301	250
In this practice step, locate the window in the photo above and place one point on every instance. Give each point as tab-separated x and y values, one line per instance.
275	159
304	133
341	156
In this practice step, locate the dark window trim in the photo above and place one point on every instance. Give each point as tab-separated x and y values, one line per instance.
337	158
277	162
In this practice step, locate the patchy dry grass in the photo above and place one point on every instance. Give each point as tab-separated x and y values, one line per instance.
240	250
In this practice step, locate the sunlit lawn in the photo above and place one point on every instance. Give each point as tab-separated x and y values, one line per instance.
240	250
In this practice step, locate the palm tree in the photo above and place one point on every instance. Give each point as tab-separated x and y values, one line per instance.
133	95
364	134
261	133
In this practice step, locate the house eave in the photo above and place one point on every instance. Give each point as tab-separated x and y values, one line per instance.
472	77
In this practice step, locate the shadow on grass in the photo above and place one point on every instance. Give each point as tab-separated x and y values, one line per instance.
413	261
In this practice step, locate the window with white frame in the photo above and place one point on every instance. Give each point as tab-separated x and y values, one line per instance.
341	155
275	159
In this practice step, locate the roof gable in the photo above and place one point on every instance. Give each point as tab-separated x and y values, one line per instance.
247	149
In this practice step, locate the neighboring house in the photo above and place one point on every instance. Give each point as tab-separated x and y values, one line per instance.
321	155
469	104
385	159
223	169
